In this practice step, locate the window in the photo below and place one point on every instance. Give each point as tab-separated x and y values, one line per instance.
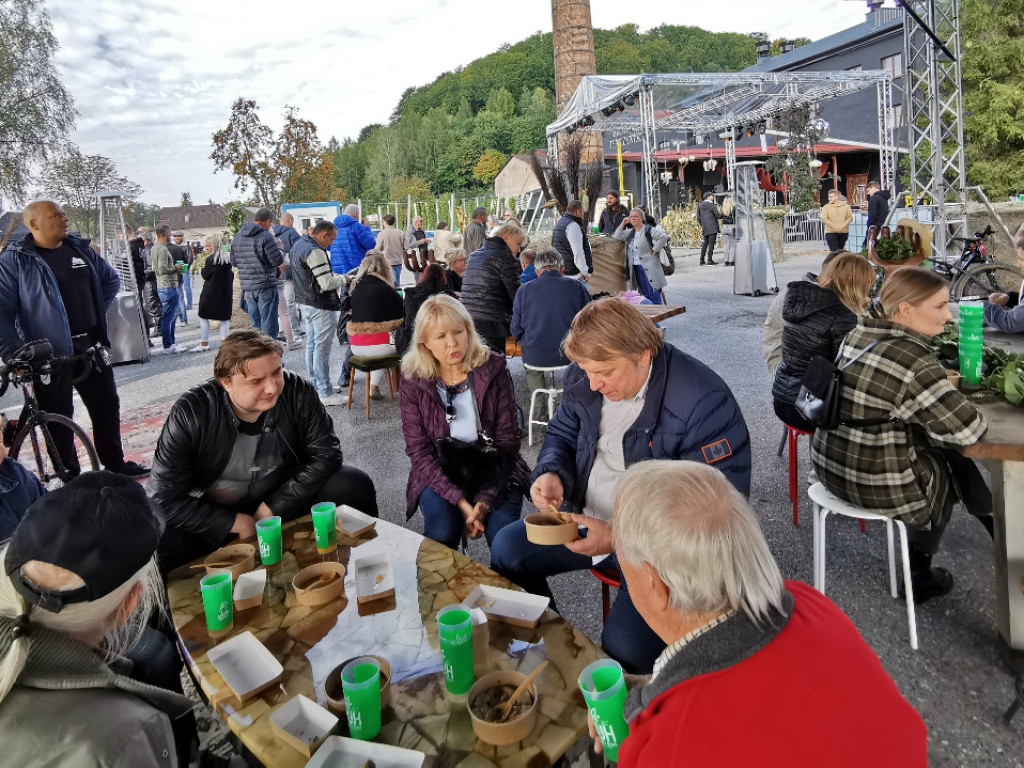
893	65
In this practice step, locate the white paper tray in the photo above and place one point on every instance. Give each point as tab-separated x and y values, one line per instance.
374	578
351	521
302	723
245	664
518	608
339	752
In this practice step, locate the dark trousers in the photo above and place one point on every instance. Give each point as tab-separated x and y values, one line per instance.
968	486
346	486
99	394
836	241
708	246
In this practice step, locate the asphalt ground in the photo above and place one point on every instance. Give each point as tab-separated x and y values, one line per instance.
960	680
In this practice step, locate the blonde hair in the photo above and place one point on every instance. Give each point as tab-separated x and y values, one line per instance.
700	535
375	264
850	277
454	254
445	311
909	286
727	206
609	329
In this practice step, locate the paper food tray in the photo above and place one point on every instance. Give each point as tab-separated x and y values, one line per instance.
249	589
302	724
374	578
246	665
517	608
351	521
336	750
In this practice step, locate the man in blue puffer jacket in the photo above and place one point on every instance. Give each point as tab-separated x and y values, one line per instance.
352	241
628	397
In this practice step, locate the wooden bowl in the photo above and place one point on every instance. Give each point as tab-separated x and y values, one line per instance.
511	731
241	556
309	590
336	696
546	528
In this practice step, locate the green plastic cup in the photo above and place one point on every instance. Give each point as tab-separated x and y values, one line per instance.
970	365
455	633
971	309
216	590
323	527
268	533
360	680
604	690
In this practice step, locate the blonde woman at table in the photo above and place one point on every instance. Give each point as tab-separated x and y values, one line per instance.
904	461
461	428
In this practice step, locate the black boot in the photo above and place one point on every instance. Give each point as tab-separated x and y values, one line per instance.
927	582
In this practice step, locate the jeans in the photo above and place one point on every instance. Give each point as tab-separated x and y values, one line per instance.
397	269
444	523
169	303
320	325
626	636
262	308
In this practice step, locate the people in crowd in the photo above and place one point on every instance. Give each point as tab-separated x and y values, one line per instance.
251	442
612	215
18	489
817	317
837	215
708	216
73	318
317	292
509	215
352	242
542	314
570	239
444	240
391	242
287	310
432	282
644	243
216	300
476	231
740	639
897	451
150	292
729	232
1003	311
490	284
878	208
167	273
461	428
182	256
377	310
417	248
457	260
75	603
529	273
628	397
256	255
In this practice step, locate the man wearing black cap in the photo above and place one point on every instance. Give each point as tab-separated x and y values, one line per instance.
74	602
255	253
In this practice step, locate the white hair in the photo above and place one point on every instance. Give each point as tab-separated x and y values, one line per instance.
547	259
509	229
700	535
94	622
352	210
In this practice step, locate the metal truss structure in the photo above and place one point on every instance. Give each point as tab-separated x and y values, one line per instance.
935	117
636	107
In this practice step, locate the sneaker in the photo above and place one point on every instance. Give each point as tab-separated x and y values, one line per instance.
178	349
295	345
333	400
200	348
132	469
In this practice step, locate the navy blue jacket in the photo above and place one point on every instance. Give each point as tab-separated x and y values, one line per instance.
254	253
350	244
542	313
30	304
288	237
689	413
18	489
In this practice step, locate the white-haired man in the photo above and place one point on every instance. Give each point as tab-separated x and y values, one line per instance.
757	671
352	242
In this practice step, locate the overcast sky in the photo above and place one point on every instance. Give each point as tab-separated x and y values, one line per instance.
153	79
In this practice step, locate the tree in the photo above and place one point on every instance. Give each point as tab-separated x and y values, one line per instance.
235	218
993	47
140	214
186	200
73	180
245	147
488	166
384	166
791	166
414	186
305	166
36	111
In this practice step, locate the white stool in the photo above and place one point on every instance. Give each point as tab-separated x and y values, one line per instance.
825	503
549	391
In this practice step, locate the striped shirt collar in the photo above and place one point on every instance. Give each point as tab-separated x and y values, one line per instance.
689	637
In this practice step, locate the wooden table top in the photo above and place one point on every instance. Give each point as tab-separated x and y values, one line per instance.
309	642
1004	439
659	312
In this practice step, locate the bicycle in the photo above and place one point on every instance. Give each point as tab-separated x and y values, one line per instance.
976	275
33	363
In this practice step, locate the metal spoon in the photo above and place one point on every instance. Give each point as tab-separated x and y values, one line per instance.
500	713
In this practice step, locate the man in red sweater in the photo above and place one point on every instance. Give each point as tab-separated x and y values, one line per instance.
757	671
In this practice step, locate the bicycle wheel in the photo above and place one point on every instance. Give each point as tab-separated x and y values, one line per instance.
34	446
981	281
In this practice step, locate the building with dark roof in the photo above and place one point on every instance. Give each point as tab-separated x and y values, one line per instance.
198	222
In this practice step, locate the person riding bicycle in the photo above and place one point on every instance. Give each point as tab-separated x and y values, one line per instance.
54	287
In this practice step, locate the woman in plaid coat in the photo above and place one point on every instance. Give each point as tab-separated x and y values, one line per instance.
909	467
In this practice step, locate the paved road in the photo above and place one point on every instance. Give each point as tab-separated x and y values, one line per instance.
957	679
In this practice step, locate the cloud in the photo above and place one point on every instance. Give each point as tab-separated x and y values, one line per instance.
154	79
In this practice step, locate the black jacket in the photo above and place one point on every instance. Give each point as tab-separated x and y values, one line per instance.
489	287
878	208
816	324
610	220
196	443
708	216
560	242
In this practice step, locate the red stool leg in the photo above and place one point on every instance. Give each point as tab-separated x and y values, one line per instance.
793	440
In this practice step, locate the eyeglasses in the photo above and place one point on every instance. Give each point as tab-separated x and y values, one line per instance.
449	410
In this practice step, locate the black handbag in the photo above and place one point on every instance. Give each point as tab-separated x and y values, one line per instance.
821	388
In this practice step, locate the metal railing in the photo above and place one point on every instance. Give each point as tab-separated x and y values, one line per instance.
803	227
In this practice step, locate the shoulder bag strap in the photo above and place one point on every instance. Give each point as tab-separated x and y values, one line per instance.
481	435
868	422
